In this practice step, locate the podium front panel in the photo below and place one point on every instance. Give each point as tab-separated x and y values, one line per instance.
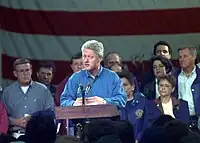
91	111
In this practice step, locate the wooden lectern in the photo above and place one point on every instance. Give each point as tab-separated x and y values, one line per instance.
81	112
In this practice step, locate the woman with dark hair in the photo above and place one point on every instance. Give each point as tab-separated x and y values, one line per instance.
138	110
161	66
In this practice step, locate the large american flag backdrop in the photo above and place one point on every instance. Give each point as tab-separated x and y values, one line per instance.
56	29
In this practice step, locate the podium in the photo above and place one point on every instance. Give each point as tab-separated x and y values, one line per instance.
85	111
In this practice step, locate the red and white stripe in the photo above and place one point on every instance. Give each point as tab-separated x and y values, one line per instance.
55	30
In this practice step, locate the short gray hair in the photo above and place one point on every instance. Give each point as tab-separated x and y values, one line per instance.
95	46
192	50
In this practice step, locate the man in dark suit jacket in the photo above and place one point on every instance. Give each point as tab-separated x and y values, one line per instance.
45	75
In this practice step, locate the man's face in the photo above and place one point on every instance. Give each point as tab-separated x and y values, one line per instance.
77	65
186	59
111	60
90	60
163	50
45	75
23	72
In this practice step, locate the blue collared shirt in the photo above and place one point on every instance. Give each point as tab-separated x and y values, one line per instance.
106	85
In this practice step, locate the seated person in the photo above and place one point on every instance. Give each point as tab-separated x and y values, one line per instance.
3	119
155	134
41	128
67	139
168	104
24	97
137	107
98	130
45	75
125	131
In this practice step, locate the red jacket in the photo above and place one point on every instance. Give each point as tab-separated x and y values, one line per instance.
3	119
59	90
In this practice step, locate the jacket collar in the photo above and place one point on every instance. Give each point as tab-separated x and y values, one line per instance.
175	103
89	75
197	80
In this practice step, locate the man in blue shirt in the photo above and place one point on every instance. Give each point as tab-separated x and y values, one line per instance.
98	84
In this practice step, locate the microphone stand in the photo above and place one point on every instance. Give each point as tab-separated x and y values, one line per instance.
83	97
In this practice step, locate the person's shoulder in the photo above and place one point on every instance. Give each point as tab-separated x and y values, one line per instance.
10	87
53	86
38	85
183	102
139	95
76	74
176	71
149	85
108	72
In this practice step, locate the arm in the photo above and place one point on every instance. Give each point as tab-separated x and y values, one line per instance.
3	119
119	96
183	112
11	121
21	122
68	96
48	100
59	90
123	115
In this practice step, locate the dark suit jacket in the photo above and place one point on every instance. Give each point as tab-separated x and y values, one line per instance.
52	89
150	90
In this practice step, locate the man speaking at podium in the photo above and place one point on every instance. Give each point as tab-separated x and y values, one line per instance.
94	85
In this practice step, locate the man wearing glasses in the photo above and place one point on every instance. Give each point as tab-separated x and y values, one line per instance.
24	97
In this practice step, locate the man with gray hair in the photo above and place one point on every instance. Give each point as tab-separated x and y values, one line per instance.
188	77
98	85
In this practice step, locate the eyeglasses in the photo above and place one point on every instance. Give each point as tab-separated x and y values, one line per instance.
23	71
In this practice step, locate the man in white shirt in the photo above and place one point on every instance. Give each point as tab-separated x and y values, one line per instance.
189	80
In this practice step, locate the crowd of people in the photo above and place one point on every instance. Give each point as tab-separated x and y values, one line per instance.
161	107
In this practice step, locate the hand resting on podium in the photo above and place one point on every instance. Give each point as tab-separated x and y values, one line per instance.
95	100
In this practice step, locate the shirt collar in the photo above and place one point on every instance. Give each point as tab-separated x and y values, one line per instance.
193	71
30	85
89	75
156	80
136	98
175	102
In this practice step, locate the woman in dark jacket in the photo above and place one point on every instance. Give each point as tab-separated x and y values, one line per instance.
161	66
138	109
168	104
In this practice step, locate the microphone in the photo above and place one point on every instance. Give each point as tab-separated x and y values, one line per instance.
80	88
87	89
